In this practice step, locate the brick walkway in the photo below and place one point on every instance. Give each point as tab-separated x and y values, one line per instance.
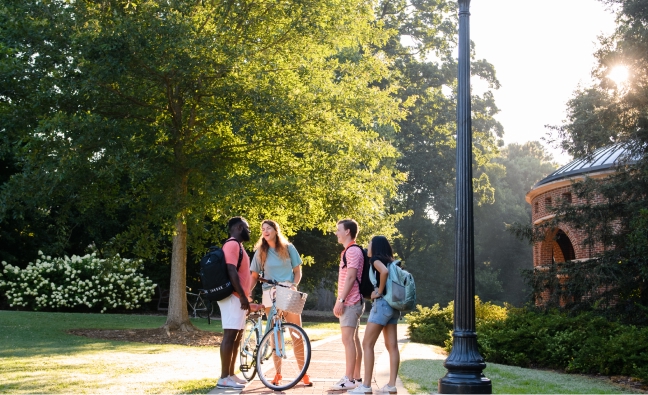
327	366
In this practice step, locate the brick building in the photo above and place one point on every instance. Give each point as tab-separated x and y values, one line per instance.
563	243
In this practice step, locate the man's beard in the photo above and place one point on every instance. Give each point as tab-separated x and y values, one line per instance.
245	235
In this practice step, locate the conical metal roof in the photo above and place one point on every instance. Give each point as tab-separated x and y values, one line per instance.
601	159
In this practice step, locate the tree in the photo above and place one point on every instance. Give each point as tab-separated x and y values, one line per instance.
602	114
500	257
427	71
190	112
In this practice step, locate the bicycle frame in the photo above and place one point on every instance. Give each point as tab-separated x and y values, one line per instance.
273	323
269	346
197	302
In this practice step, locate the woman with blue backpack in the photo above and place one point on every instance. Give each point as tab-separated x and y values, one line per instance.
382	318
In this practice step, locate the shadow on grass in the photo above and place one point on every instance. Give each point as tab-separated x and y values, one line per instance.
38	356
43	333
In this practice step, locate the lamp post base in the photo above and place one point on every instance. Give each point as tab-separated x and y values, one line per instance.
465	383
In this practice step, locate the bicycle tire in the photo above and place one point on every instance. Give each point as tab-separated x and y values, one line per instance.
202	311
190	309
210	311
267	363
247	356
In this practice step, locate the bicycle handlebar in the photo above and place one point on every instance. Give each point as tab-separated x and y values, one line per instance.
200	290
273	282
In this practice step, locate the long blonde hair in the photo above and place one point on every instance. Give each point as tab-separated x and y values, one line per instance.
281	243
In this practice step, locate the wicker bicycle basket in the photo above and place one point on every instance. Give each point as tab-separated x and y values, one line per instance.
290	301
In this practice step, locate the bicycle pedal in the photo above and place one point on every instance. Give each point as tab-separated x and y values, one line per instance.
244	368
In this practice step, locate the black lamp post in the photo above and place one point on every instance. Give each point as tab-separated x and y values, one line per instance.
464	364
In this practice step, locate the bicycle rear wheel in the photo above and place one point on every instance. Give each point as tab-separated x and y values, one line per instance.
191	309
204	310
292	366
247	356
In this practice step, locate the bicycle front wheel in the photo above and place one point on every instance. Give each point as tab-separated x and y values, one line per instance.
281	372
247	356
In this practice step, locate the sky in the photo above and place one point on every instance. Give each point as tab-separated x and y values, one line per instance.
541	51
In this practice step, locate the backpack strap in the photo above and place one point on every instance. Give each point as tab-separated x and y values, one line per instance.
345	251
240	258
345	261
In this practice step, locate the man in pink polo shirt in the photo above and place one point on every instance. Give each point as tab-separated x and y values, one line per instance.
234	307
349	305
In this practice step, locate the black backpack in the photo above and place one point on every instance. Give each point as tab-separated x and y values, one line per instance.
365	285
213	273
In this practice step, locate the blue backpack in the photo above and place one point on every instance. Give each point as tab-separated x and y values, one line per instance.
400	290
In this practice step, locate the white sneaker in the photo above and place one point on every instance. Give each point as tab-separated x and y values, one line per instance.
229	383
344	384
388	390
236	379
360	389
342	380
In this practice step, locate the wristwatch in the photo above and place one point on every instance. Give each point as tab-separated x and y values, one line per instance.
340	300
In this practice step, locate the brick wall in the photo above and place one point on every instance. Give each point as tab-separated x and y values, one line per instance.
548	251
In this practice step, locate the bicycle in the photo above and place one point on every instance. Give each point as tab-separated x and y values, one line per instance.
200	308
273	356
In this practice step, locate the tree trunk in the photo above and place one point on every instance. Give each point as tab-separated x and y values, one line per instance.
177	317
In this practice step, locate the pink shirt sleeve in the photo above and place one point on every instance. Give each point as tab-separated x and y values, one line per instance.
231	250
355	259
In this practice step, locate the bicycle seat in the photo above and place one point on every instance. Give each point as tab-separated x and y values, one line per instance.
255	316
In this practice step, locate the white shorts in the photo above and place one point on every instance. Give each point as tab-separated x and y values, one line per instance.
266	299
232	317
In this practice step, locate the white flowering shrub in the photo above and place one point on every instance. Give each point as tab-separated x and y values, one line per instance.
67	283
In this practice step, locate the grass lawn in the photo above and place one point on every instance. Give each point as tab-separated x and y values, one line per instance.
421	375
321	330
37	356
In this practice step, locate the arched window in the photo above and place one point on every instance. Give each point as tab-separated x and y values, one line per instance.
567	197
565	245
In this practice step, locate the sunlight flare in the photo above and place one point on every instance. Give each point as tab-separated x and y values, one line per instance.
619	74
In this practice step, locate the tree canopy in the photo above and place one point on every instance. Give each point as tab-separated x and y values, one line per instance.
186	113
140	127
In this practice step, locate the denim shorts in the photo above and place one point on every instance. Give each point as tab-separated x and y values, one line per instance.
382	313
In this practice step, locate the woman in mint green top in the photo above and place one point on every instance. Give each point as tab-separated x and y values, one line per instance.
276	259
277	267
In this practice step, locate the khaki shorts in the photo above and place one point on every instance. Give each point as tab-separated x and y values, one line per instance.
351	315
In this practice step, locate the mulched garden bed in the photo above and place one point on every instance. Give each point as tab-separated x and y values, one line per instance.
195	338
